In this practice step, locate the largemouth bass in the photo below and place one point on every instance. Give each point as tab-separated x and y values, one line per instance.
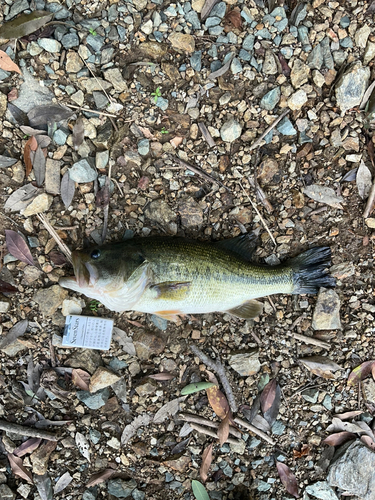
175	276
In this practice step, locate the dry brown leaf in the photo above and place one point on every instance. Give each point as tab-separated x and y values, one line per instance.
78	133
268	395
302	452
18	468
349	414
7	287
27	447
223	430
339	438
320	366
7	64
206	462
100	477
288	479
31	145
81	379
361	372
218	401
234	17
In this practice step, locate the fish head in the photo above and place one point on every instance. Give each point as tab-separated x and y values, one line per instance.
101	270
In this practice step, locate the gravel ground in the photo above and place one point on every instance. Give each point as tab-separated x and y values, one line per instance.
181	97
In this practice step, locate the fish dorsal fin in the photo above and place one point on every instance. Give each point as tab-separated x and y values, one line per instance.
243	245
171	290
248	310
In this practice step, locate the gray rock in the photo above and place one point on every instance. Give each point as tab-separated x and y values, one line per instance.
144	147
50	299
369	53
219	10
244	55
158	211
269	64
311	395
321	490
6	493
120	488
248	43
104	136
87	359
327	311
345	21
285	127
327	55
191	214
196	60
231	130
299	74
112	13
60	11
49	44
315	58
236	66
60	136
162	103
96	42
94	401
245	364
101	159
192	18
212	21
114	76
95	436
278	428
270	100
82	171
264	33
351	86
101	100
70	40
17	7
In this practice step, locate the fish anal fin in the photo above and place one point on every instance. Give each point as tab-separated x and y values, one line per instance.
171	290
243	246
248	310
171	315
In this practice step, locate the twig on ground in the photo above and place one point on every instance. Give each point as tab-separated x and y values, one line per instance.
106	208
65	250
311	340
217	367
91	110
261	195
204	421
207	136
198	171
26	431
254	430
259	214
271	127
370	202
208	432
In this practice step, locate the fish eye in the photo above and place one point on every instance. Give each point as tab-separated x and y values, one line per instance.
95	254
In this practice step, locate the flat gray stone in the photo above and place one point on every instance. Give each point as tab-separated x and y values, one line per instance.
231	130
50	299
270	100
353	471
245	364
94	401
82	172
49	44
321	490
327	311
351	86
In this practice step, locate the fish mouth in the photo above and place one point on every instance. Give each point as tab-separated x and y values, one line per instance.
86	274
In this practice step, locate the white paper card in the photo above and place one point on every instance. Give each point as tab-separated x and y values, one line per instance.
89	332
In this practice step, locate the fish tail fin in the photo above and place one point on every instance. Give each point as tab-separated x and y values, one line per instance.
310	270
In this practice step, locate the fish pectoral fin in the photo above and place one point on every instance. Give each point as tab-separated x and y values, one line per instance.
171	290
247	310
243	245
169	315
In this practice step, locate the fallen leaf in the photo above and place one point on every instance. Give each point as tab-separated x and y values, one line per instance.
180	447
21	198
39	166
268	395
44	486
234	17
67	189
31	131
261	423
206	462
31	145
339	438
83	446
199	386
350	176
81	379
124	340
288	479
7	287
271	414
16	331
221	71
369	442
360	427
168	410
18	468
17	113
285	67
17	247
305	450
199	491
218	401
62	483
6	161
320	366
163	376
323	194
100	477
78	133
44	115
223	430
361	372
363	180
27	447
7	64
25	24
131	429
57	258
349	414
